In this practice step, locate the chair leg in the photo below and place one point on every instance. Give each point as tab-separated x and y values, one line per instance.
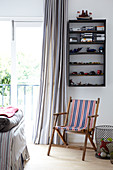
51	142
84	150
65	137
91	140
61	136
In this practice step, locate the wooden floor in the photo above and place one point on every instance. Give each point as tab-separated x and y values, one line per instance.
64	159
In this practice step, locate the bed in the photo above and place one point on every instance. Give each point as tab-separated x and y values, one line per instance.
13	148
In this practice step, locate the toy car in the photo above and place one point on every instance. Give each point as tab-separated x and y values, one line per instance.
81	73
91	50
74	72
101	49
75	50
71	82
92	73
99	72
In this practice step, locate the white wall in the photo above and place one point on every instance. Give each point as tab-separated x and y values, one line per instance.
100	9
21	8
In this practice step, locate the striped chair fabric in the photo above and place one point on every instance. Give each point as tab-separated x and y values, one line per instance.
80	111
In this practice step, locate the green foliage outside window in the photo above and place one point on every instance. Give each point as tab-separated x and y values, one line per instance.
28	73
5	78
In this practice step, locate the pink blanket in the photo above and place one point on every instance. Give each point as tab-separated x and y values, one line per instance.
8	111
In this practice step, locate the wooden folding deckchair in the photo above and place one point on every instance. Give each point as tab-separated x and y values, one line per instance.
82	121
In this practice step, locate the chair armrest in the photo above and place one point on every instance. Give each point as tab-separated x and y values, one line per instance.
60	113
93	116
56	116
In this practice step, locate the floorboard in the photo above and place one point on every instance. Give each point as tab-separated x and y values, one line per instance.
62	158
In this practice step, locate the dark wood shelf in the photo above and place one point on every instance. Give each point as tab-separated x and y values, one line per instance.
81	60
88	21
97	85
99	42
79	53
88	31
85	64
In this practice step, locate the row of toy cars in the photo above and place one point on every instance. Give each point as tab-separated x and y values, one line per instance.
87	28
88	49
86	63
99	72
88	37
71	83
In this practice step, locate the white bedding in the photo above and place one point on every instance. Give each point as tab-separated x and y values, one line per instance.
13	148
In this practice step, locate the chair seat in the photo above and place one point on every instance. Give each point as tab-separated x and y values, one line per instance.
70	128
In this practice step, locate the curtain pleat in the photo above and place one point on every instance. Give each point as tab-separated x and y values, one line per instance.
52	95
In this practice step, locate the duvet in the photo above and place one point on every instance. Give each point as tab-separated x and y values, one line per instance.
13	148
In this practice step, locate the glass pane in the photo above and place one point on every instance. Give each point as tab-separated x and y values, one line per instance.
5	62
28	51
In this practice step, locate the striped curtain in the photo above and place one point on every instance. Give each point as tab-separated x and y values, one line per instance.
52	97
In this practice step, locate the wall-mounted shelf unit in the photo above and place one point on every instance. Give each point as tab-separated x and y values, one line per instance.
86	52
